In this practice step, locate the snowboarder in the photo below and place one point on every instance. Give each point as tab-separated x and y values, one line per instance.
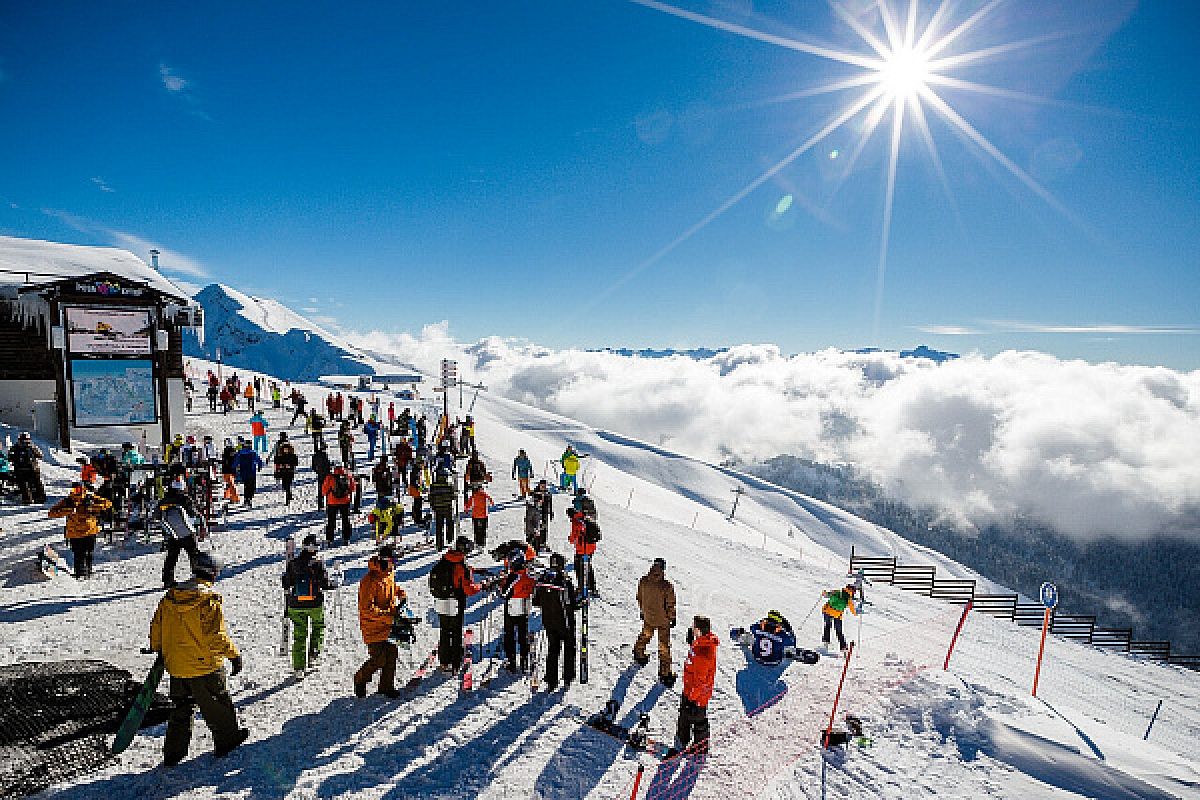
555	596
771	639
478	504
699	672
451	582
838	602
247	463
189	631
82	510
585	534
378	600
570	466
286	462
258	429
178	514
522	472
441	501
306	580
322	468
656	602
338	491
517	588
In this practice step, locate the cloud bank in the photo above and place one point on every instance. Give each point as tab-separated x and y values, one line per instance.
1094	449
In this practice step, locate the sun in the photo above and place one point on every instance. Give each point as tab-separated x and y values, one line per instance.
905	73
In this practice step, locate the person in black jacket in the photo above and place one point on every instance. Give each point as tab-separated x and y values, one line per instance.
555	596
178	515
25	458
543	502
286	462
306	580
441	500
322	467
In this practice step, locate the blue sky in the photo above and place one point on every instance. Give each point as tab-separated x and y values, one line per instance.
515	168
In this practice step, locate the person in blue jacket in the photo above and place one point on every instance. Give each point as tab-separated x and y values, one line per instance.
372	430
770	639
247	464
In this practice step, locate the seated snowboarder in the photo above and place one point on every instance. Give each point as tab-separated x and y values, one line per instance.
770	639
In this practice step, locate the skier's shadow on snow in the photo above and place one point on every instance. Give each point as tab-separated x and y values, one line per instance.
758	686
675	779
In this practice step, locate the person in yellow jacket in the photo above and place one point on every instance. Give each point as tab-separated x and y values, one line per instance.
837	603
82	510
570	465
188	631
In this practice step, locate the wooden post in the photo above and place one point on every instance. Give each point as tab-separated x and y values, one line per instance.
958	630
837	697
695	517
1037	673
630	500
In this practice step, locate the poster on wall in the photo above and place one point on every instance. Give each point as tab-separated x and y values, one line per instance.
108	331
113	392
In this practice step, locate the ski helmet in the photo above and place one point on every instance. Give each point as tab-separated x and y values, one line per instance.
516	562
207	565
463	544
775	616
309	544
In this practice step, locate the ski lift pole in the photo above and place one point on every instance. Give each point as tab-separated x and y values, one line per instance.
737	495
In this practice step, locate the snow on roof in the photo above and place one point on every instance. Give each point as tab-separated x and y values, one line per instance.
32	261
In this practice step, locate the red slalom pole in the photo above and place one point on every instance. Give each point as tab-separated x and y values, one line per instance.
953	639
837	697
637	781
1037	673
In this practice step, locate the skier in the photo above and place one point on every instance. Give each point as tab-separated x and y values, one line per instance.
212	393
249	393
346	444
338	491
189	631
475	475
306	580
258	428
478	504
522	472
173	449
771	639
286	462
404	454
381	476
585	534
226	397
860	578
316	426
82	510
533	524
555	596
391	417
228	457
451	582
517	588
321	467
543	501
178	513
247	463
420	430
25	458
656	602
441	501
372	430
838	602
378	600
298	404
570	466
699	672
387	517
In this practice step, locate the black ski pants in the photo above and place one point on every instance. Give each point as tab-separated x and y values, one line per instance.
480	525
285	480
188	543
332	513
450	639
591	573
444	527
29	481
560	641
516	637
693	725
82	548
836	624
211	694
249	487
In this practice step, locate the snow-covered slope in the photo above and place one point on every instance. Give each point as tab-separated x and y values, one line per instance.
969	732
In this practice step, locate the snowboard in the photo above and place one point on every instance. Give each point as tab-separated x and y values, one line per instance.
141	704
51	563
636	738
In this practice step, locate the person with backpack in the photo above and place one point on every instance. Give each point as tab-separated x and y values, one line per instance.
451	582
321	468
228	457
338	491
585	535
699	674
346	444
656	602
258	430
522	472
837	603
555	596
478	504
378	600
516	587
543	500
286	463
584	504
178	513
372	430
189	632
382	477
212	393
82	510
246	464
306	581
316	427
441	501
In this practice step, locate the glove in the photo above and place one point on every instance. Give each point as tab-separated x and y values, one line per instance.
235	665
672	623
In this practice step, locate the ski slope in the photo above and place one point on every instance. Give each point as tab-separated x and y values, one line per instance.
968	732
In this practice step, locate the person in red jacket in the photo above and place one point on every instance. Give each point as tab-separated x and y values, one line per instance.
451	582
699	672
583	547
337	491
478	505
517	590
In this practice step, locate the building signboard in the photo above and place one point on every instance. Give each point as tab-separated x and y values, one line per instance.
109	331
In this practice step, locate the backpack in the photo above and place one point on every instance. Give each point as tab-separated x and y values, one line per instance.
22	457
591	531
341	486
305	586
588	506
441	580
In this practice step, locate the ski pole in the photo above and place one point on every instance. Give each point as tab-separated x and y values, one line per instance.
811	610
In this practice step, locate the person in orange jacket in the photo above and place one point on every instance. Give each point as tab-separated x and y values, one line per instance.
378	599
699	672
478	505
249	394
82	510
337	490
579	538
451	582
517	590
88	473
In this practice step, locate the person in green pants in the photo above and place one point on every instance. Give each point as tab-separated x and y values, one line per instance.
306	580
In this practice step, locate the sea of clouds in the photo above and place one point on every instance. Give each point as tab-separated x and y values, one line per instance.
1093	449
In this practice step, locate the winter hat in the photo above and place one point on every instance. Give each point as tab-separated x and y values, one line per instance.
207	565
283	437
702	624
661	563
775	616
309	545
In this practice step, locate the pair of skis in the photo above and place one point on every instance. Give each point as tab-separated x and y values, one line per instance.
639	737
583	619
289	554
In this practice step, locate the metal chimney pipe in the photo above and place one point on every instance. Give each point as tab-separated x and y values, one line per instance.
154	259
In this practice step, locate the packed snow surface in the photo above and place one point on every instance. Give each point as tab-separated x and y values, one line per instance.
971	731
